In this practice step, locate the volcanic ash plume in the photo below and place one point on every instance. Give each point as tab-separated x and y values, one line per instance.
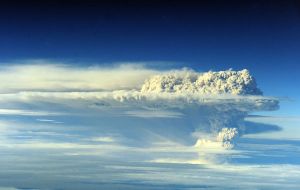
219	100
223	82
213	103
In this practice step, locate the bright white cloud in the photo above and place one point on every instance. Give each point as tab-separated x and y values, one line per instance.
116	128
61	77
211	101
25	112
183	81
227	136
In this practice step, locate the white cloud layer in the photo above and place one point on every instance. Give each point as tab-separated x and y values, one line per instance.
61	77
216	103
84	127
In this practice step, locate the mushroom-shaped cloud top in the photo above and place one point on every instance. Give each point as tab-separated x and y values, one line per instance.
187	81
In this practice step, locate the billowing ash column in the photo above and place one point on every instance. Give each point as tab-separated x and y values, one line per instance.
217	102
209	83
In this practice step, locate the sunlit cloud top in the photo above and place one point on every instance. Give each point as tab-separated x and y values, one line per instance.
215	103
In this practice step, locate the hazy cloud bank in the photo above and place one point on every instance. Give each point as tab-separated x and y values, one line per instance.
215	103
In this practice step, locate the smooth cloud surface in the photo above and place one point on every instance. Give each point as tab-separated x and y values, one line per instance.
61	77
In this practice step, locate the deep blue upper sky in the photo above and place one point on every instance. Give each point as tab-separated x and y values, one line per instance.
262	36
